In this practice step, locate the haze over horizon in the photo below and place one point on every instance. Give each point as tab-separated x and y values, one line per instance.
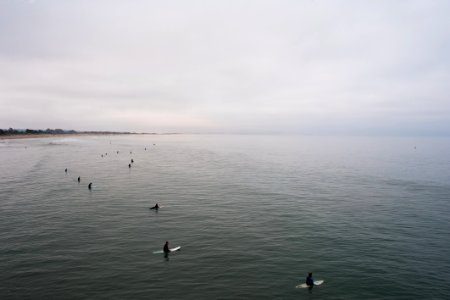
307	67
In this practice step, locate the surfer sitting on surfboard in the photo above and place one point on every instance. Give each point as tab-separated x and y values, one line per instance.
166	247
309	280
155	207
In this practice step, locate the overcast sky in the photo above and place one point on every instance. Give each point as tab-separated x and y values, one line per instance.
303	66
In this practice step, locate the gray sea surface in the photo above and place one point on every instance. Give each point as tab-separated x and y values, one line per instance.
252	214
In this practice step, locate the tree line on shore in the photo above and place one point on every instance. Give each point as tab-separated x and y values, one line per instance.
12	131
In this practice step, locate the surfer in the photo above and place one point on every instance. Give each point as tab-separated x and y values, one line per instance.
90	186
166	248
65	170
79	178
129	165
155	207
132	161
310	280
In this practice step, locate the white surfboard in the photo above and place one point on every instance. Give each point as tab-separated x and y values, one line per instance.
304	285
171	250
152	208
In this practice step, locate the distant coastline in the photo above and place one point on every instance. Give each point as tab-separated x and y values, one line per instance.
31	133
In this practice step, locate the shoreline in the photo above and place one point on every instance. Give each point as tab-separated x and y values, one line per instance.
36	136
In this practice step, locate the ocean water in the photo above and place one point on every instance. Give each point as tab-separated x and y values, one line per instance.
252	214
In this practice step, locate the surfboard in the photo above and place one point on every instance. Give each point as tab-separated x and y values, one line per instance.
304	286
152	208
171	250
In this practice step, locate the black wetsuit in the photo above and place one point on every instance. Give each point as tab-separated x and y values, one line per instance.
309	281
166	248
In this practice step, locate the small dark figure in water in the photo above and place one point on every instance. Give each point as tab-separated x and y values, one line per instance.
65	170
129	165
106	153
166	247
145	148
155	207
90	186
102	155
166	250
117	152
79	179
131	152
132	161
310	280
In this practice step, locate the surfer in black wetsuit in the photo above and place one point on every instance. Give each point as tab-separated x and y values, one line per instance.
155	207
310	280
166	248
65	170
79	178
90	186
129	165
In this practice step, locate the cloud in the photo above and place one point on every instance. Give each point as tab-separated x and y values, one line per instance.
234	66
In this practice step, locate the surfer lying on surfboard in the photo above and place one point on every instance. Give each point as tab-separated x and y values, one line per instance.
155	207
